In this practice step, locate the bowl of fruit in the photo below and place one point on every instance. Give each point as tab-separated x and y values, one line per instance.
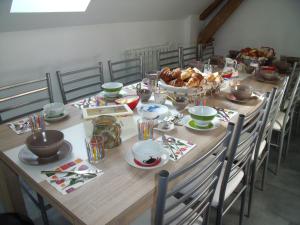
131	101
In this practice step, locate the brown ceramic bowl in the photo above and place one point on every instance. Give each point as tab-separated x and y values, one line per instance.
241	91
37	145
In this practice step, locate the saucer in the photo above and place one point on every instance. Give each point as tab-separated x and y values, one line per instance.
57	118
27	157
191	124
232	98
131	161
121	94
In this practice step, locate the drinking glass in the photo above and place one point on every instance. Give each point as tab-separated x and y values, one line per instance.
160	96
95	148
145	129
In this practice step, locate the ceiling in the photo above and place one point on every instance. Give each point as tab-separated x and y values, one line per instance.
101	11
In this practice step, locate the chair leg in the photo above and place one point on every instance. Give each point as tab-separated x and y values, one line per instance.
219	220
252	184
43	210
242	210
289	134
263	178
280	151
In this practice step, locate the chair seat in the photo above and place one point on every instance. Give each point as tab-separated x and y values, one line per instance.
231	186
279	121
261	149
145	218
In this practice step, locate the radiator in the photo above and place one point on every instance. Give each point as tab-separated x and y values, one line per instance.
149	54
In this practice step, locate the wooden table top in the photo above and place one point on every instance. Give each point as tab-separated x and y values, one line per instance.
123	192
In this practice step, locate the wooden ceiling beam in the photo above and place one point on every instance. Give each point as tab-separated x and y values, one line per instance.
210	9
219	19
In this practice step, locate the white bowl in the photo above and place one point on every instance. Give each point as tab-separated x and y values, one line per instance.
202	115
145	150
112	89
152	111
54	109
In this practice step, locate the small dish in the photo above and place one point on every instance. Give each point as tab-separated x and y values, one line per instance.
165	128
55	109
241	91
191	124
233	98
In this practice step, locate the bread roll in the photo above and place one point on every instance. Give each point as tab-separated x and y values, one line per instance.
177	82
186	75
176	73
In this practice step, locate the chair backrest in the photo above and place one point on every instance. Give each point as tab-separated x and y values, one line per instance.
206	51
171	59
80	83
292	101
289	86
242	149
190	54
20	99
199	177
127	71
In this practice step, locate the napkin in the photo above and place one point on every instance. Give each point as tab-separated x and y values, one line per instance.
89	102
231	113
20	126
66	183
179	147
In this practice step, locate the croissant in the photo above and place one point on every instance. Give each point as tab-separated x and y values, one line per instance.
166	74
177	82
194	82
186	75
176	73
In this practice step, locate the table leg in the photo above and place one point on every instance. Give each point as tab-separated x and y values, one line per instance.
11	190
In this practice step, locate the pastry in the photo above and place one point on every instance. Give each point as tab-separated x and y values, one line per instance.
193	82
177	82
166	75
176	73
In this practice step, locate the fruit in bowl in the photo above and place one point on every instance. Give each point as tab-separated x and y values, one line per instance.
131	101
112	89
241	92
47	145
202	115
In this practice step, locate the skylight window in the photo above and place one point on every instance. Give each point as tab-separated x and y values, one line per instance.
45	6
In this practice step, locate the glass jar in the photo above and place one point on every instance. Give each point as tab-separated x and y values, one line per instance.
107	127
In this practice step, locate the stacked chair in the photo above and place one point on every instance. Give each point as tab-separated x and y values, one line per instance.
80	83
127	71
207	51
24	98
171	58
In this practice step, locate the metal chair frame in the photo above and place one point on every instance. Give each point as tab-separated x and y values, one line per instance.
240	161
200	205
287	125
47	89
190	53
171	58
65	91
114	72
206	51
265	133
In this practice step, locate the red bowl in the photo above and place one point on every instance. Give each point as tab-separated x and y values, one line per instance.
131	101
268	68
227	75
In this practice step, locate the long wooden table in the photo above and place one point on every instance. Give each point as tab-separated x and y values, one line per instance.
123	192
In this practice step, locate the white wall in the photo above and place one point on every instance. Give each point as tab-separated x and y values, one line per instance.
256	23
28	54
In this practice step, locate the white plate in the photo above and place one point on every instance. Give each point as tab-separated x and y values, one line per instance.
164	159
215	122
160	127
54	119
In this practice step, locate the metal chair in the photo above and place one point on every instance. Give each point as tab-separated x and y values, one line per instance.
236	172
24	98
206	51
283	124
261	153
199	178
80	83
171	58
127	71
190	54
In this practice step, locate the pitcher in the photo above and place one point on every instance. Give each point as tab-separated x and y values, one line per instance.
230	64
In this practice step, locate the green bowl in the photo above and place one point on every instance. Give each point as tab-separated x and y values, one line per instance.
202	115
112	87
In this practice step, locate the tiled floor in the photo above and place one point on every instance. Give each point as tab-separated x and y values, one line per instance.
278	204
